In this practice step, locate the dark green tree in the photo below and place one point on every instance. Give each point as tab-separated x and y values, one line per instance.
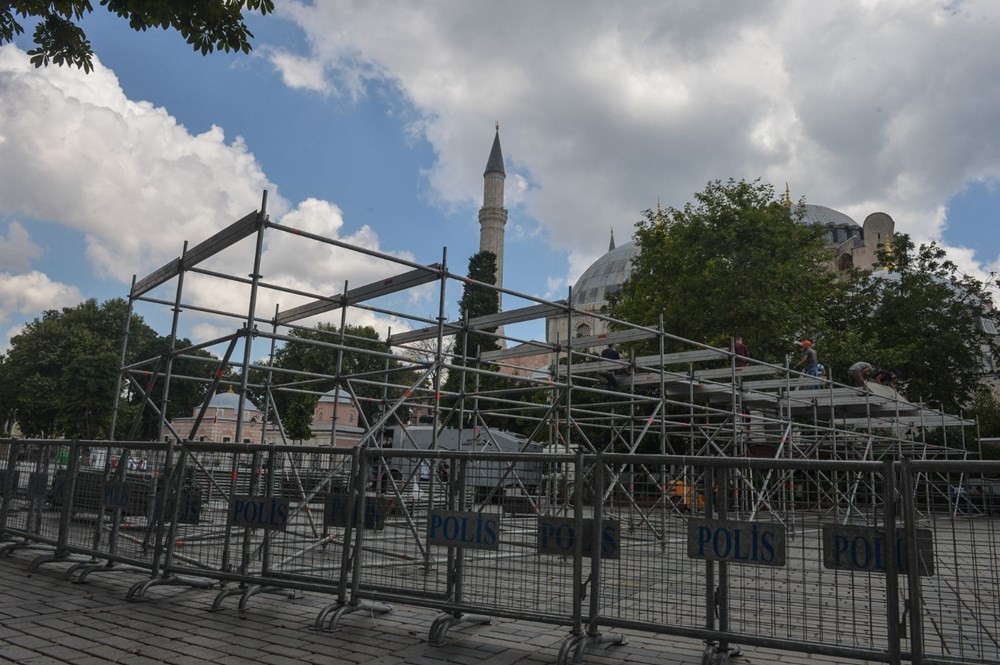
8	397
920	317
735	261
477	301
185	395
62	371
320	358
42	360
207	25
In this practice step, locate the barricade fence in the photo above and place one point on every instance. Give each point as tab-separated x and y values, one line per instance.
881	561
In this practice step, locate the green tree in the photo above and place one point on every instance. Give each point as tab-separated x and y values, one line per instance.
8	397
317	358
185	395
478	301
207	25
43	360
734	261
62	372
920	317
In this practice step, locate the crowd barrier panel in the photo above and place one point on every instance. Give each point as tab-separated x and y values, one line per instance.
472	534
29	516
880	561
733	571
955	616
262	524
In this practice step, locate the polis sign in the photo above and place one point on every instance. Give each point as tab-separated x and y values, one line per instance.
864	548
115	495
756	543
38	484
557	535
259	512
471	530
375	510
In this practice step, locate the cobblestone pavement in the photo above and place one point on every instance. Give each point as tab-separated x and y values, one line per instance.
46	620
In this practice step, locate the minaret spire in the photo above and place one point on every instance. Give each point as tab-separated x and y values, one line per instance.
788	196
612	245
493	216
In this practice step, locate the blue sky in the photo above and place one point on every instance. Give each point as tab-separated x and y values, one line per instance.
372	122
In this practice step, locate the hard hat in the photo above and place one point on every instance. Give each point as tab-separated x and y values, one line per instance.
806	344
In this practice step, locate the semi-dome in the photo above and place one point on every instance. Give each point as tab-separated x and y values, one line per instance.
230	400
605	275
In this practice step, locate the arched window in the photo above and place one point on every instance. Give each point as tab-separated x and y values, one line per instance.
845	262
583	330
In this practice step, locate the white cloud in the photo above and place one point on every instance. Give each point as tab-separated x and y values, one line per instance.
298	72
136	185
860	106
33	292
125	174
17	250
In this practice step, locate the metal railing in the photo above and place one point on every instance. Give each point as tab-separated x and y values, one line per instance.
677	545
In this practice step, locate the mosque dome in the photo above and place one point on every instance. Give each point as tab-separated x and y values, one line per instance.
823	216
336	395
230	400
605	275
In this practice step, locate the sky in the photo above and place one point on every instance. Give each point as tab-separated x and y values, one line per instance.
371	122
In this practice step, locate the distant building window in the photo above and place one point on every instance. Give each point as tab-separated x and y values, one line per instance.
319	415
201	438
247	441
583	330
845	262
226	439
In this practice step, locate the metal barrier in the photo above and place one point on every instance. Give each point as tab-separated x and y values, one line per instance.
953	615
880	561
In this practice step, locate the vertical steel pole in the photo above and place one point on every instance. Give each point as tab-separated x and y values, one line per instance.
595	548
722	496
577	628
709	475
340	368
348	564
891	560
168	460
121	364
913	564
251	315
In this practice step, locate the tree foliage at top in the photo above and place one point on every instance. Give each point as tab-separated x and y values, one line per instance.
61	371
920	317
207	25
478	301
736	261
315	355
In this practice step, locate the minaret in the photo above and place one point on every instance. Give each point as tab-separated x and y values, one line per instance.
611	245
493	216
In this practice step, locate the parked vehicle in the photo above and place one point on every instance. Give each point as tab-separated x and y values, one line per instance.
482	475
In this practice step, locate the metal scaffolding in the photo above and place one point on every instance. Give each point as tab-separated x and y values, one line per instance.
696	402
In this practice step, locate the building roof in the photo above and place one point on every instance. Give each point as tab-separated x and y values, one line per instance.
495	163
230	400
824	216
605	275
336	395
